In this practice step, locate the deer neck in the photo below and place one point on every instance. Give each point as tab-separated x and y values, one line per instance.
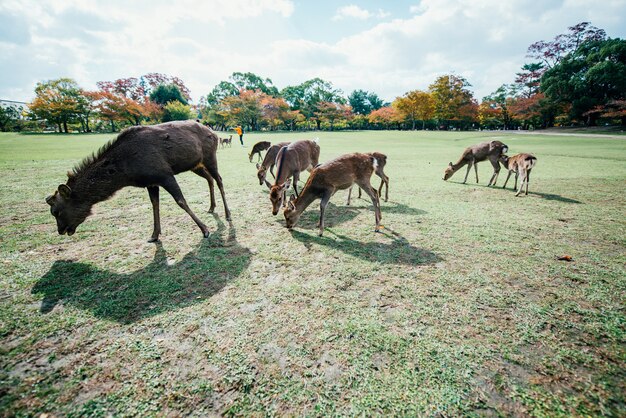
305	199
94	184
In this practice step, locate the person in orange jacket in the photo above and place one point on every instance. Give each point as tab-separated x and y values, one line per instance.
240	133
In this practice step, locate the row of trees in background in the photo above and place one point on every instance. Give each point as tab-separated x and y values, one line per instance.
577	78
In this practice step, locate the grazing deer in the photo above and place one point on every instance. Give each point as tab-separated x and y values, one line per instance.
491	150
521	165
268	163
338	174
226	141
290	162
382	161
258	147
141	156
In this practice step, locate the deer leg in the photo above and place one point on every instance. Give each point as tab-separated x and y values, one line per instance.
359	196
173	188
203	172
527	181
367	188
272	172
476	170
516	177
349	194
469	166
212	169
508	176
323	205
521	184
385	181
296	177
153	192
496	172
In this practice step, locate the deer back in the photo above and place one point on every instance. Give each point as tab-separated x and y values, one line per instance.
297	156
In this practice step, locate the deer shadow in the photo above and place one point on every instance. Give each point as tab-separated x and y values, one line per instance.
156	288
392	207
547	196
397	251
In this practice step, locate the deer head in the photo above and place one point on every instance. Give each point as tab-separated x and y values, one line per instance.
448	172
292	215
261	173
277	193
68	211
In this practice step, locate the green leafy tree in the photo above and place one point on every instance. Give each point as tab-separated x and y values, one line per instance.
588	78
363	102
220	92
308	96
166	93
10	117
175	110
251	81
451	99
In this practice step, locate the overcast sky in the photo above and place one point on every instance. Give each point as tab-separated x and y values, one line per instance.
388	47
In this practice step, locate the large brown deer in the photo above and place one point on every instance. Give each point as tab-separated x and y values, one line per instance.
338	174
268	163
382	161
521	165
490	150
141	156
258	147
290	162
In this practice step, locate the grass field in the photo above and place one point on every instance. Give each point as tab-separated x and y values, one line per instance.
460	306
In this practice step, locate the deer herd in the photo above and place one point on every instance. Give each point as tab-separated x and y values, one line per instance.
150	156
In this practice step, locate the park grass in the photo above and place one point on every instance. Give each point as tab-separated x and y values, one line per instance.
460	306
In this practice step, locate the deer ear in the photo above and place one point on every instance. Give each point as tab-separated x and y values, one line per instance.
292	198
258	166
50	200
65	191
290	205
287	185
450	164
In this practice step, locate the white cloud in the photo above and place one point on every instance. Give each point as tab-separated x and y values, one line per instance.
355	12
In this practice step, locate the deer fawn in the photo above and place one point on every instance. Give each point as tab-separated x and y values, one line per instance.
290	162
226	141
521	165
491	151
268	163
338	174
382	161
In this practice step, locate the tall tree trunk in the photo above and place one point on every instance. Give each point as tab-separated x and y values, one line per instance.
65	126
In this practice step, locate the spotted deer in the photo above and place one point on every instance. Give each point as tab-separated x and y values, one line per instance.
290	162
338	174
490	150
521	165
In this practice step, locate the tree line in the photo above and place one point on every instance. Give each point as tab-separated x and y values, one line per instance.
579	78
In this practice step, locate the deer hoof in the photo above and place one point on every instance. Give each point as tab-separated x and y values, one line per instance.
153	239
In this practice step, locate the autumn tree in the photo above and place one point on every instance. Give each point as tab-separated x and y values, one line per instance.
57	101
415	105
385	117
451	99
331	112
244	109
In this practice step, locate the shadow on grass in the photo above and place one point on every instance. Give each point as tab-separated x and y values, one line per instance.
397	251
547	196
156	288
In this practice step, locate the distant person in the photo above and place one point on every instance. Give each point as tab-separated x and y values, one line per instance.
240	133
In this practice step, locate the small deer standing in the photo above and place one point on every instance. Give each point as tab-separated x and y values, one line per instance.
382	161
521	165
268	163
290	162
226	141
258	147
338	174
491	150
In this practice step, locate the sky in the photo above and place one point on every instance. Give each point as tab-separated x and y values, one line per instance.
386	47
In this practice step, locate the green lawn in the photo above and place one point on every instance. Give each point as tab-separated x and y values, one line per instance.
460	306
